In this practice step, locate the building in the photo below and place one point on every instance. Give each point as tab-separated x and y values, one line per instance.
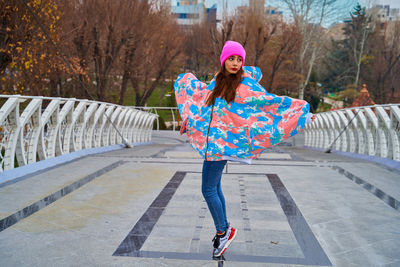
258	8
190	12
241	11
212	14
384	13
186	2
336	31
273	12
363	99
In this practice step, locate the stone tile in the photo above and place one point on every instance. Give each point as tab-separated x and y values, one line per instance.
267	215
276	250
238	247
273	206
387	249
361	257
188	204
384	179
283	237
172	232
354	227
177	221
321	216
176	154
275	156
338	244
187	198
262	199
167	244
392	264
181	210
18	195
206	247
280	225
234	211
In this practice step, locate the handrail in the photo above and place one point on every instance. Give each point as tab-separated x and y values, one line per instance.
372	130
175	123
35	131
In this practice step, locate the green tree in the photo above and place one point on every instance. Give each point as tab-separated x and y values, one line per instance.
358	33
348	59
338	71
313	92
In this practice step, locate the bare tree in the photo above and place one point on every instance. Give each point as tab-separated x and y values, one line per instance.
359	54
254	31
359	29
109	37
158	55
77	44
283	48
220	36
98	30
384	68
141	31
310	16
199	55
110	33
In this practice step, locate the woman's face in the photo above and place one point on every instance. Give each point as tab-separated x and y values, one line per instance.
233	64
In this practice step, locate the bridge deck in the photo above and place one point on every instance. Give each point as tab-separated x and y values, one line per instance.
143	207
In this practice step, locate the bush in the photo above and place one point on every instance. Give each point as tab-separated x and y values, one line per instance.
161	122
349	94
322	107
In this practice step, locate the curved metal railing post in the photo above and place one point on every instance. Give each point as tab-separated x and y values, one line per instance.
174	123
371	130
63	126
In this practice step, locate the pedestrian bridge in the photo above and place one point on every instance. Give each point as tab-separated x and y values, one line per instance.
102	204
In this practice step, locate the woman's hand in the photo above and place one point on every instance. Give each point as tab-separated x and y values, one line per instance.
310	118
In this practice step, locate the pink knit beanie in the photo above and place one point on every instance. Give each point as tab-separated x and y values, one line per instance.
232	48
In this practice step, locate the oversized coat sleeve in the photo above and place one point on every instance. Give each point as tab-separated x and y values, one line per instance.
255	120
189	93
273	118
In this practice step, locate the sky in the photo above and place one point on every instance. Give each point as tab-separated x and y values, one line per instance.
232	4
392	3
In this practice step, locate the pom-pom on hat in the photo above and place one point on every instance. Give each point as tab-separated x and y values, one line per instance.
232	48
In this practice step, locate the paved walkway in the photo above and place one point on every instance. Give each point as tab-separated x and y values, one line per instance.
143	207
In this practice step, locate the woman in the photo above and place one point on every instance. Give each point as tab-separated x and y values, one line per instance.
233	118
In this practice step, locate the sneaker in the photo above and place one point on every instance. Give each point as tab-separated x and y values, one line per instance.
221	243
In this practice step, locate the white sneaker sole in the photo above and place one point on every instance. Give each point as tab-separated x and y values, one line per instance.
226	245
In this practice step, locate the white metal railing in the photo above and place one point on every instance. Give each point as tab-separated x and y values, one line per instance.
174	120
49	127
372	130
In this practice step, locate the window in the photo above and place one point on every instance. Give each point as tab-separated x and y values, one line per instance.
186	16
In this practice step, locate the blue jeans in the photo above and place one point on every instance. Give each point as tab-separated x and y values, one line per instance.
211	189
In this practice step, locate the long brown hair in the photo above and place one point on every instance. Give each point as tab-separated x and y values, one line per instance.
225	86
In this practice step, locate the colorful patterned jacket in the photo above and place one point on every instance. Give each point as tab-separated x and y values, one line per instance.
242	129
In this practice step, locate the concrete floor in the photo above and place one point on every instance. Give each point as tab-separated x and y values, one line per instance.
143	207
